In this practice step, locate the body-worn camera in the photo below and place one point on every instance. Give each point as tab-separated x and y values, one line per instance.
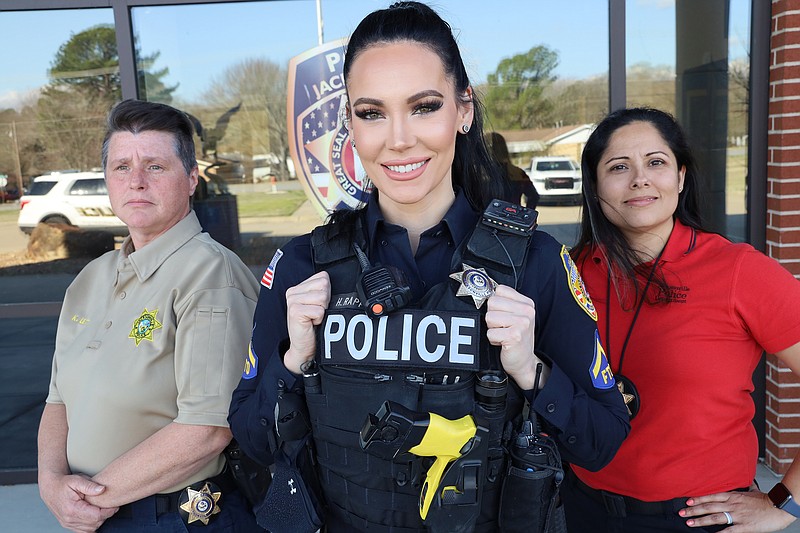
511	217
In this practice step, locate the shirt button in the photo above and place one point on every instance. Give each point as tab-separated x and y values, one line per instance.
264	422
122	295
107	324
572	440
384	243
551	408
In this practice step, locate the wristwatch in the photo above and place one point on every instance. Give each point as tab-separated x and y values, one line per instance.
781	498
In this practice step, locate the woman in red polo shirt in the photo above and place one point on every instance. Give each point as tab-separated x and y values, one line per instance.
684	316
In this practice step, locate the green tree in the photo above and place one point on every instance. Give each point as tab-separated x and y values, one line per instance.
84	84
515	97
89	63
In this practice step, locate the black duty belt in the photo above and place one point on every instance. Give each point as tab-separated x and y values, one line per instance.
169	503
619	506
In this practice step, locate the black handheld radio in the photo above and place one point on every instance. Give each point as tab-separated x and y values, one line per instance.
381	289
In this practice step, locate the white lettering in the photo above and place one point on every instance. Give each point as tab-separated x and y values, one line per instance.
359	353
382	354
457	339
331	336
422	348
406	346
332	60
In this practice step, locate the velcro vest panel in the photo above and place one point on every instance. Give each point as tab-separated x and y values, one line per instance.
364	492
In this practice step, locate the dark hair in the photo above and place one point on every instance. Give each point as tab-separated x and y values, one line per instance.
473	169
596	229
135	116
498	147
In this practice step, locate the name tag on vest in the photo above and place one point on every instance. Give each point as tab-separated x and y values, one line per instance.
408	338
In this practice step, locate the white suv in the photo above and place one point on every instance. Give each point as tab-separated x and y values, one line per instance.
557	179
79	199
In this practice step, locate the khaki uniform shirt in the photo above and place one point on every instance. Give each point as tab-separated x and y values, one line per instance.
150	337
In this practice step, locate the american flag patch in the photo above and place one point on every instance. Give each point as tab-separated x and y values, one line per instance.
269	274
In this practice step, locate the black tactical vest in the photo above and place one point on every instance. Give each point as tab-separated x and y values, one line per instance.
363	492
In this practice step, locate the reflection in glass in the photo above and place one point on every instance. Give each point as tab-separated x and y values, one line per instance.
226	66
695	64
60	74
650	43
540	83
61	80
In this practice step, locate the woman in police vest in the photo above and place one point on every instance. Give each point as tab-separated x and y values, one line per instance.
684	316
416	124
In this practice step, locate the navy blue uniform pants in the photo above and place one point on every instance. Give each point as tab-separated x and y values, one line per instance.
235	516
587	515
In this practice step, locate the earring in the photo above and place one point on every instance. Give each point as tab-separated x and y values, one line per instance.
353	143
465	128
680	189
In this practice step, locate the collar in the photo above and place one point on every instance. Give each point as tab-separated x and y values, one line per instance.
459	220
681	242
150	257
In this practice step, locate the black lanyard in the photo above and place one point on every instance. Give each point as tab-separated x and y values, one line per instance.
635	315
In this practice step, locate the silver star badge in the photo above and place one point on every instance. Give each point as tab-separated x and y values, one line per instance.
475	282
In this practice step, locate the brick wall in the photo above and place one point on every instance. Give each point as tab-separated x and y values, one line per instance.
783	217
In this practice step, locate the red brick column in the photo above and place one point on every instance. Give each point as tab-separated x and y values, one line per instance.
783	217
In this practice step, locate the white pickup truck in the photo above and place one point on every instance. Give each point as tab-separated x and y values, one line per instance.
557	179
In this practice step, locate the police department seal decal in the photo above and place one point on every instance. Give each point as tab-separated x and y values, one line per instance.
576	286
144	326
475	282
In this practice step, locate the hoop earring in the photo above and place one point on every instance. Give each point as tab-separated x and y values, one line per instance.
465	128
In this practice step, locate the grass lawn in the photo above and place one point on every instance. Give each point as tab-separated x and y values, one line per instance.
263	204
9	215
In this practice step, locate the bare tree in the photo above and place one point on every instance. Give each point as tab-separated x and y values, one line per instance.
259	126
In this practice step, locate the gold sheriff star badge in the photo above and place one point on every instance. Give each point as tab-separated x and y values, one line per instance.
475	282
144	326
202	504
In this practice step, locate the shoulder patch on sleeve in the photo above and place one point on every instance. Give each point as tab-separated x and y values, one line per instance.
576	286
269	274
250	364
600	371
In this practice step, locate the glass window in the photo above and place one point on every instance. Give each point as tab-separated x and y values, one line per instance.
92	187
60	75
227	66
40	188
55	91
650	35
694	63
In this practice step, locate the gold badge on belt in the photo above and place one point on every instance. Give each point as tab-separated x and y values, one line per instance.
199	502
